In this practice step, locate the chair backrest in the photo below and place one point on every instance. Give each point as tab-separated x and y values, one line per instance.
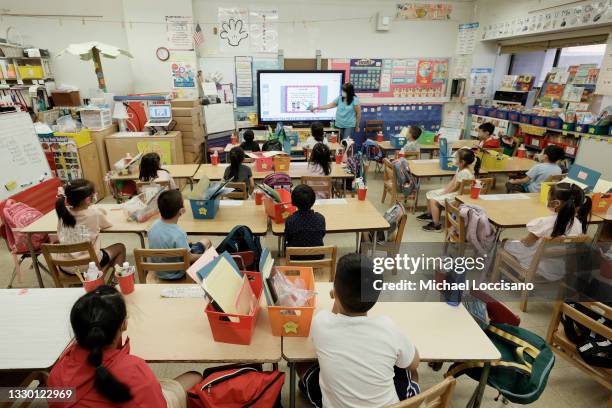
454	226
240	191
499	150
558	247
411	155
389	176
84	250
327	253
487	185
165	184
322	185
554	178
437	396
144	263
399	232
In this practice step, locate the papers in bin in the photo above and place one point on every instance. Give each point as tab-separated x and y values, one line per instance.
583	177
205	190
258	155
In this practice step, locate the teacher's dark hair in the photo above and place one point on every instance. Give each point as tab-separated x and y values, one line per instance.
96	318
350	92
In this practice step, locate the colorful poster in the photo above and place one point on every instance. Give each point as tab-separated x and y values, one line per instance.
264	30
244	81
179	30
480	82
163	148
365	74
413	78
183	74
423	11
233	30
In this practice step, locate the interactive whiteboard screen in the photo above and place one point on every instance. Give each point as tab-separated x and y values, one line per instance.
288	96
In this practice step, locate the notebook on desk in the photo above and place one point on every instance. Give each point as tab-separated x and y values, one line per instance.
583	177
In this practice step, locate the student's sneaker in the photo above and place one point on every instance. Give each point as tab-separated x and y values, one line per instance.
424	217
431	227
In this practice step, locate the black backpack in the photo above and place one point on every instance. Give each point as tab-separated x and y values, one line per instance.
594	349
241	239
272	145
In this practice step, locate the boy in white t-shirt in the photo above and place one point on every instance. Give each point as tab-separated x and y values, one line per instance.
364	361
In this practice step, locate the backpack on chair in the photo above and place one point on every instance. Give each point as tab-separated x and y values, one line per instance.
241	239
237	386
272	146
406	181
593	348
278	180
372	151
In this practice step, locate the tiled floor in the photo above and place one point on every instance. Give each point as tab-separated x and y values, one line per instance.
567	386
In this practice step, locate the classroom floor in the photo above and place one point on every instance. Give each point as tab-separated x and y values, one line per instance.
567	386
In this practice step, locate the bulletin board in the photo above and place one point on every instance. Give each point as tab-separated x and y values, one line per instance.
411	78
22	160
395	117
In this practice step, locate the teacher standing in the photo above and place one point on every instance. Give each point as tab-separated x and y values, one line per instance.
348	112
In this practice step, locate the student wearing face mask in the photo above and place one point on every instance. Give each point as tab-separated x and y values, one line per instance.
348	112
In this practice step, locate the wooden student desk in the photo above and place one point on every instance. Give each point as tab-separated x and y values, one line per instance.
387	146
514	165
440	333
344	215
296	170
163	330
177	171
35	327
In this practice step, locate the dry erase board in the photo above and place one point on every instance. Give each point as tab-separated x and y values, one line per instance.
595	153
22	161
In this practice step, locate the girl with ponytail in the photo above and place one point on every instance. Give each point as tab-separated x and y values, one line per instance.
99	365
78	221
571	209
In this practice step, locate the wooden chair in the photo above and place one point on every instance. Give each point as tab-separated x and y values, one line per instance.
63	279
565	348
240	192
413	155
144	264
322	185
391	245
507	265
487	185
328	261
437	396
162	183
454	226
390	187
495	149
373	126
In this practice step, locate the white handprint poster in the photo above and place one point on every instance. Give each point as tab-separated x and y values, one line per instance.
264	30
233	30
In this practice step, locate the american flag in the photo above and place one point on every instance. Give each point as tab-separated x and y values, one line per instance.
198	36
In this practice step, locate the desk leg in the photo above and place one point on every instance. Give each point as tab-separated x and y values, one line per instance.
479	392
142	240
598	232
292	375
34	260
373	233
357	242
416	198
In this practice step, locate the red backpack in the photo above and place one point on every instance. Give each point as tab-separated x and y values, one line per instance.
278	181
237	386
17	215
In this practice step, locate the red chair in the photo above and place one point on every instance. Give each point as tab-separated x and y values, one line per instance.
42	197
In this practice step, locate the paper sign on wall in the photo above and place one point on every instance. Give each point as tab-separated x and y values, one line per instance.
480	82
604	81
179	32
163	148
263	30
234	27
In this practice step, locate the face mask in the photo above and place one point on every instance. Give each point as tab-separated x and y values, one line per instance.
343	95
94	198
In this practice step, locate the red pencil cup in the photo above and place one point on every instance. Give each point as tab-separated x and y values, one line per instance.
214	160
126	283
338	159
91	285
259	197
521	153
380	137
475	191
361	194
333	138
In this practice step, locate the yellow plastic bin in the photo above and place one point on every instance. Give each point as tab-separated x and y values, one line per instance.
294	321
81	138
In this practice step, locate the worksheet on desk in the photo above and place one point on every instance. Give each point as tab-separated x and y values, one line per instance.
503	197
331	201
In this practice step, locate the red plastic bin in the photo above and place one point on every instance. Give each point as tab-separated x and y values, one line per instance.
279	211
234	328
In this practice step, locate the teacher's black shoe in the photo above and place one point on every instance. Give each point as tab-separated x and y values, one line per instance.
424	217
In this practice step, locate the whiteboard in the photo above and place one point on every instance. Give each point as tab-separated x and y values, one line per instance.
595	154
22	161
219	117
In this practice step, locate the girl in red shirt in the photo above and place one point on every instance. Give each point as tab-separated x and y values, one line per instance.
99	366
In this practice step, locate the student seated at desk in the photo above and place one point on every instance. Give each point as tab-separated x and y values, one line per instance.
412	134
571	209
532	181
317	135
468	166
319	162
362	361
99	364
152	171
78	222
166	234
487	139
249	144
238	172
305	227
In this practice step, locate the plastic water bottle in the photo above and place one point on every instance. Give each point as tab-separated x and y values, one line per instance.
125	269
92	272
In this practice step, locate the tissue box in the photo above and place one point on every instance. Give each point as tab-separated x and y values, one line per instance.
204	209
398	141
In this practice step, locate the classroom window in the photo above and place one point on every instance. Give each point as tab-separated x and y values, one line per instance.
586	54
537	63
